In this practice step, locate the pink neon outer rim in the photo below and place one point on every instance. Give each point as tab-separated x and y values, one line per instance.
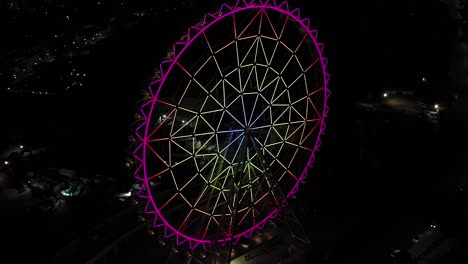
311	160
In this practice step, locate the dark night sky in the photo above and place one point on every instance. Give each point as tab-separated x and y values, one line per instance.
371	46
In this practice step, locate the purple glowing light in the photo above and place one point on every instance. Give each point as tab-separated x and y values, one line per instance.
166	68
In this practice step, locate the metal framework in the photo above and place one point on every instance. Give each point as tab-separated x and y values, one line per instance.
232	123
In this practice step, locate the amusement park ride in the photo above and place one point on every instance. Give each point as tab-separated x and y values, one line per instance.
229	130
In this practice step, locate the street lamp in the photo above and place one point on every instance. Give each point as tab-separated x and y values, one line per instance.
385	95
6	162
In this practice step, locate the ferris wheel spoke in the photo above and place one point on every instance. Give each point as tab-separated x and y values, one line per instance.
228	206
312	64
205	145
266	171
185	125
288	49
257	70
281	137
250	23
174	180
295	129
270	24
253	109
283	28
246	213
315	92
290	164
249	174
275	159
217	174
248	80
298	113
212	53
260	127
180	147
243	109
209	95
200	196
157	174
315	108
163	122
236	45
187	136
251	48
304	98
274	80
189	181
234	118
183	225
230	143
234	161
300	76
260	115
206	165
220	226
274	144
289	60
229	131
184	69
202	66
186	200
304	37
244	189
167	202
309	133
157	155
217	202
225	46
207	227
282	115
233	101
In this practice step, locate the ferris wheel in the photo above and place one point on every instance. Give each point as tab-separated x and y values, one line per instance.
232	123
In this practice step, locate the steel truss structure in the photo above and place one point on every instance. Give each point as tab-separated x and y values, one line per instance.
231	124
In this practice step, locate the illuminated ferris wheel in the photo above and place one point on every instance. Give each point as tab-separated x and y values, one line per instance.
232	123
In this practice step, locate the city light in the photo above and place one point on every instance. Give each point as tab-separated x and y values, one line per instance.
21	146
436	106
6	162
385	95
